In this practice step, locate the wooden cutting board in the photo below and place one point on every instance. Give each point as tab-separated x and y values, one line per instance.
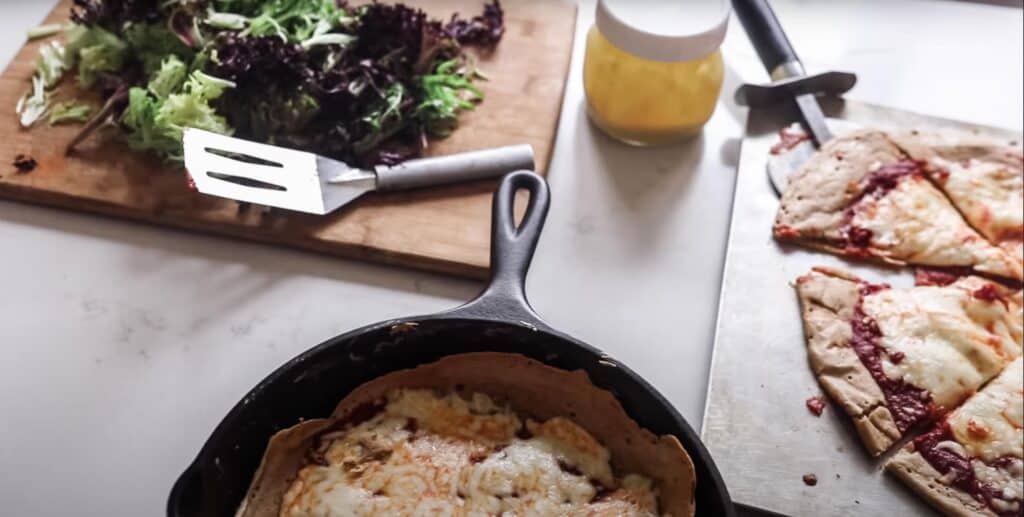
441	229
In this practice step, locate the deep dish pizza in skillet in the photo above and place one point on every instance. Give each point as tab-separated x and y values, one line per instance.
481	410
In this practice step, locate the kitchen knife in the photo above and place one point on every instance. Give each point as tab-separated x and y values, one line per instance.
268	175
790	83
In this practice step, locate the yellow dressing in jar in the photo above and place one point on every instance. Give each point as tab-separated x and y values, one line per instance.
650	75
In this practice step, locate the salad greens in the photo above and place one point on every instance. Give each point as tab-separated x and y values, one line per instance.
367	84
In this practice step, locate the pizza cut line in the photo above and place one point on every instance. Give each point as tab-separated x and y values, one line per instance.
970	463
862	195
895	359
983	177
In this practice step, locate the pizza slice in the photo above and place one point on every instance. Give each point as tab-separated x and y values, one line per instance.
982	176
861	196
897	358
971	463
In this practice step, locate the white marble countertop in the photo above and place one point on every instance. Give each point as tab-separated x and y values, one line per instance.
125	344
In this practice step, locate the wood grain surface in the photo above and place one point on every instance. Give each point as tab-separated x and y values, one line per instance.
441	229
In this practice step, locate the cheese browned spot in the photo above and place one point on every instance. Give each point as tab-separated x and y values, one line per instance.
462	457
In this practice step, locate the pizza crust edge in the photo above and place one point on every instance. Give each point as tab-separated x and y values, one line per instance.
910	467
877	257
827	299
289	446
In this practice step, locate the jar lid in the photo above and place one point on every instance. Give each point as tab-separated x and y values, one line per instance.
664	30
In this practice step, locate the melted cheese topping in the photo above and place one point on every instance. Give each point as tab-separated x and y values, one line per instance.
989	193
427	454
943	339
991	424
915	223
1009	481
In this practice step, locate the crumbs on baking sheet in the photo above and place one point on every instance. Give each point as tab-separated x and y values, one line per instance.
816	405
810	479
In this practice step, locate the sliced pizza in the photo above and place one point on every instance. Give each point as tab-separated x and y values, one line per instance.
862	196
972	462
982	176
896	358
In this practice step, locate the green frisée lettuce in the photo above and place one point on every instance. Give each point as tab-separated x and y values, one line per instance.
447	90
171	75
94	50
157	123
292	21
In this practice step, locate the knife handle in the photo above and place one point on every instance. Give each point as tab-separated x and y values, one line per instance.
455	168
769	40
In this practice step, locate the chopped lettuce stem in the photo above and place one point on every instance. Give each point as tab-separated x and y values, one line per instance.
66	112
33	105
44	31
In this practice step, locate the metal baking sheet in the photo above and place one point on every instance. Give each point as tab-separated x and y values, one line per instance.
756	424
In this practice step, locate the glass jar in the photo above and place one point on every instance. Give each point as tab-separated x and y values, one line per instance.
652	70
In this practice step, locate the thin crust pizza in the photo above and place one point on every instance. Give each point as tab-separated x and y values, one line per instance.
862	196
982	176
972	462
898	358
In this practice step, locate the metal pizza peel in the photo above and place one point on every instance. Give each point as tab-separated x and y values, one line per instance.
756	424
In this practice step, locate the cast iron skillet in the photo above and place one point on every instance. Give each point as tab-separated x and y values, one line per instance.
498	320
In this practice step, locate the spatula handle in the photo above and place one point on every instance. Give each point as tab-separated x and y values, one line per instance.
455	168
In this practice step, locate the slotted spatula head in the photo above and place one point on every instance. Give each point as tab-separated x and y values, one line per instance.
268	175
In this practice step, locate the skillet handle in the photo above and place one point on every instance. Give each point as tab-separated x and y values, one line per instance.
511	251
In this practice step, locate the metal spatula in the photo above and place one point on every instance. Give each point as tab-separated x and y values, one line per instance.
296	180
